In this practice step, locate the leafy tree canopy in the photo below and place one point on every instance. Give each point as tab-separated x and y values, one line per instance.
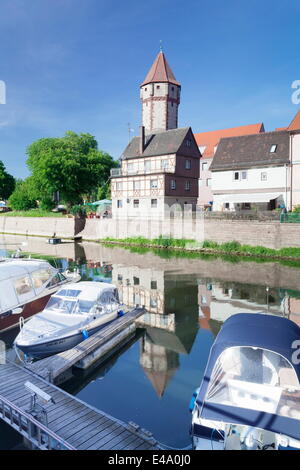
24	196
72	165
7	182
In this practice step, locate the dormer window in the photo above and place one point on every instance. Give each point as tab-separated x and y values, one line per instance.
273	148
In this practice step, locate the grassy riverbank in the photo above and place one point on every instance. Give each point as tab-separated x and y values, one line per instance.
31	213
233	248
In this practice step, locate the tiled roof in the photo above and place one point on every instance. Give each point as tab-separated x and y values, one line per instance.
162	143
251	151
295	124
209	140
160	72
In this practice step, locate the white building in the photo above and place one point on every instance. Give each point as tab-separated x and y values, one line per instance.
252	171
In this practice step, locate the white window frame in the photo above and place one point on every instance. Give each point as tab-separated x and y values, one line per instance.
264	176
164	164
173	184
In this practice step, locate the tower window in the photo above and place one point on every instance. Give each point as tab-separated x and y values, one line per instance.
172	88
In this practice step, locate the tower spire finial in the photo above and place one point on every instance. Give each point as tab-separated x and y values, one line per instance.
161	45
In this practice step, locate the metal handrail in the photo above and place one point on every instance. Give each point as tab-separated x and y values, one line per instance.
120	172
40	427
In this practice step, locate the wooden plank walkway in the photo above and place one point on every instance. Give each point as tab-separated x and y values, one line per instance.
78	425
54	367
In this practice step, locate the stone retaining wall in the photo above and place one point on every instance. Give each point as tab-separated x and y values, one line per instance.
269	234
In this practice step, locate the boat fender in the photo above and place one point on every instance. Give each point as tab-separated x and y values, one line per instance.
121	313
85	334
193	399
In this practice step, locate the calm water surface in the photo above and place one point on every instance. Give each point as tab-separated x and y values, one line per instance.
151	379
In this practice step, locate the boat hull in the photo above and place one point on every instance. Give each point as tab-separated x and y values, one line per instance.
9	320
49	348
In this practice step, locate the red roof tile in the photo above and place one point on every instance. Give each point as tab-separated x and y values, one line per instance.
295	124
210	139
160	72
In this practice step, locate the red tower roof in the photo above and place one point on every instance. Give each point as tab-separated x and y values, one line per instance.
160	72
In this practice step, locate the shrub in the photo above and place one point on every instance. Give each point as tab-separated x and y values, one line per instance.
22	198
78	211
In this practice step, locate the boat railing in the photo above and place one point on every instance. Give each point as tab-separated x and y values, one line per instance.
32	429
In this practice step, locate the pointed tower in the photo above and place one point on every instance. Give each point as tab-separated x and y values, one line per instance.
160	96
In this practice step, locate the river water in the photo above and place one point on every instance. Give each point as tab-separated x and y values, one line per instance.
151	379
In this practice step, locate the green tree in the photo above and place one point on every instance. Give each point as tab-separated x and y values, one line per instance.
7	182
24	196
72	165
104	192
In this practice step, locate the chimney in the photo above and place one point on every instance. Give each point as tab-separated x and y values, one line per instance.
142	139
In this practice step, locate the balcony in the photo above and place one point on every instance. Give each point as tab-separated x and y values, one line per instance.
118	172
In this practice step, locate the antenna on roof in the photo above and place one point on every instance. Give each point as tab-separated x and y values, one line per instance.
129	131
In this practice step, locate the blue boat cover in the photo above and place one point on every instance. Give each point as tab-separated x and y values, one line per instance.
263	331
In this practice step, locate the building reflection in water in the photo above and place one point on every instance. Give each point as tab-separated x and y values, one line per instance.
171	321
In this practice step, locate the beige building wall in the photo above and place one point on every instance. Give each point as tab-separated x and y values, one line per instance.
159	106
295	158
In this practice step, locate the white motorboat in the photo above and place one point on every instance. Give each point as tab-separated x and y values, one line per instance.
72	314
249	397
25	287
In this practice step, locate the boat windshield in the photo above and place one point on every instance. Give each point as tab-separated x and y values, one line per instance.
255	379
85	306
64	305
109	296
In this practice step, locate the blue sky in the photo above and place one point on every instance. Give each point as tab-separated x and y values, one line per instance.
77	65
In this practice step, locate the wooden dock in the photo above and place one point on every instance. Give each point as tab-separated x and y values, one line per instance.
57	368
71	423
